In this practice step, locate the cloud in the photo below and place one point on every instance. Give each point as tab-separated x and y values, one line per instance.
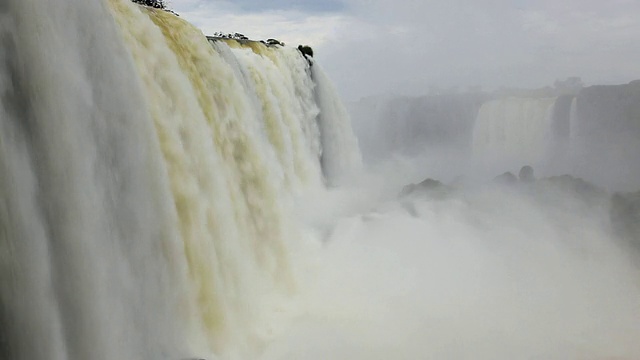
405	46
305	23
302	5
492	43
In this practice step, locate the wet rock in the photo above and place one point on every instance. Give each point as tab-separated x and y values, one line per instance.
574	185
273	42
506	178
306	50
559	189
526	174
428	187
625	216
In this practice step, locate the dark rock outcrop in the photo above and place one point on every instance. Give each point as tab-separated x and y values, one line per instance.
306	50
506	178
605	132
274	42
625	216
307	53
526	174
572	184
565	190
429	187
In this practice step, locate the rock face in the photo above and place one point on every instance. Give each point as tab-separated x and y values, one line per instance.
429	187
605	133
564	192
625	216
545	188
306	50
274	42
576	188
506	178
526	174
608	109
572	184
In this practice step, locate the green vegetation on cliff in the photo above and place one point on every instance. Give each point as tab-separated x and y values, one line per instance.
158	4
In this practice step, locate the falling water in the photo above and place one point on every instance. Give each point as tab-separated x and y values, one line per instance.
148	181
513	130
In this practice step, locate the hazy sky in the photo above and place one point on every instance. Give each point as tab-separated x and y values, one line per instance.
405	46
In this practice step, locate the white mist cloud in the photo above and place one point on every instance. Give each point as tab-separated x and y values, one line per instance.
485	274
289	24
492	43
405	46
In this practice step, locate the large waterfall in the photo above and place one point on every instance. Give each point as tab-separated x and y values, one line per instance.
148	178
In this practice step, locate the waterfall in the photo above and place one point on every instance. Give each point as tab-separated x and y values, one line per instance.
558	153
513	131
147	182
340	154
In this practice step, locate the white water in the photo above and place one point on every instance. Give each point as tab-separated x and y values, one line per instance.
513	132
340	157
83	189
161	198
594	137
148	183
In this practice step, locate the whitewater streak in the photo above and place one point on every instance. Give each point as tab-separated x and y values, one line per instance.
147	178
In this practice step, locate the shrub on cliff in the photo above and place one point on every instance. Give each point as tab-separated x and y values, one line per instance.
158	4
306	50
236	36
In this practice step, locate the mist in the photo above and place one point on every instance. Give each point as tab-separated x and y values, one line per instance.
482	271
441	250
457	257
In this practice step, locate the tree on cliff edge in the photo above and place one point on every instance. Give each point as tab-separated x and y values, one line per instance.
158	4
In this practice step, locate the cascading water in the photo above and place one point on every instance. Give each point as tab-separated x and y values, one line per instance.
283	89
513	131
87	219
340	157
148	178
590	133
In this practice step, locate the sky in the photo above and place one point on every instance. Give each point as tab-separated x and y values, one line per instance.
407	47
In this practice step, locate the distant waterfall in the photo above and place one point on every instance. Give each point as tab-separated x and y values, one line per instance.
514	131
146	182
